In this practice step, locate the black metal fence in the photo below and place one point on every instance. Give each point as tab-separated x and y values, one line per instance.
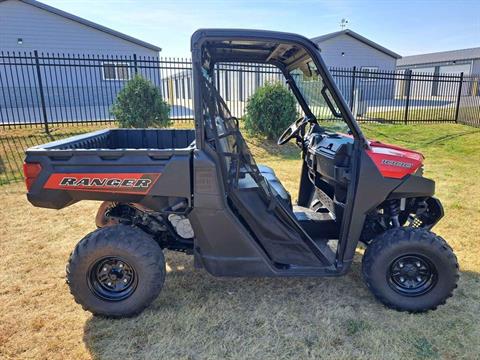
13	145
41	90
410	97
63	89
44	89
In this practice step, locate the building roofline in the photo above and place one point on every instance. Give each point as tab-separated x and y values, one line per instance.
441	56
88	23
319	39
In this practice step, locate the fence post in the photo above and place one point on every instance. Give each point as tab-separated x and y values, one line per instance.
42	96
460	86
407	103
352	93
135	66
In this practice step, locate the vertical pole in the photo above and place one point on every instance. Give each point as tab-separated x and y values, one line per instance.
460	86
170	91
352	92
42	96
407	104
135	65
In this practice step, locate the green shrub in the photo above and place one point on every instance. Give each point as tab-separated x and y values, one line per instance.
270	110
140	105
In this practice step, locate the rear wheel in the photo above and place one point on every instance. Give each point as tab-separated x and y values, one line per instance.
410	269
116	271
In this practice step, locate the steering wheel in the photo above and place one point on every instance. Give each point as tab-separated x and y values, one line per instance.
292	131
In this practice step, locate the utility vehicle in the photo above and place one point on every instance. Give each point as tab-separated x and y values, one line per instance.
200	192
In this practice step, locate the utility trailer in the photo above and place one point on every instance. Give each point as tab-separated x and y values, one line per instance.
200	192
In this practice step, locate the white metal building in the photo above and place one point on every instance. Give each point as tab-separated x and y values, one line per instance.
445	62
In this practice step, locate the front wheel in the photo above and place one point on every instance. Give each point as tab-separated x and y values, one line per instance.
116	271
410	269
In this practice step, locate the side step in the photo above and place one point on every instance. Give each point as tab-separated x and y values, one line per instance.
327	248
318	225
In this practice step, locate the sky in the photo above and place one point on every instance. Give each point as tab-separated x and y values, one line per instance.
406	27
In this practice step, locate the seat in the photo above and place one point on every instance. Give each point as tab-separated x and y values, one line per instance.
269	175
229	139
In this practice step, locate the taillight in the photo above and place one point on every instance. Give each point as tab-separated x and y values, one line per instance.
31	172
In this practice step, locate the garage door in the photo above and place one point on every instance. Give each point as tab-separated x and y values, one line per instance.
450	89
422	86
455	69
425	70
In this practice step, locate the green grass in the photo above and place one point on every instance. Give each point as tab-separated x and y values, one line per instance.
424	114
198	316
414	114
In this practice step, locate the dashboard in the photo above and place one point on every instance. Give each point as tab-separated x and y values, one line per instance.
328	156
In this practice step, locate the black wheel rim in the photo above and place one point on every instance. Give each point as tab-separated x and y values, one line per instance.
412	275
111	278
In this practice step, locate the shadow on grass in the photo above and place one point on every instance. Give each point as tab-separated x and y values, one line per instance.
413	139
198	316
450	137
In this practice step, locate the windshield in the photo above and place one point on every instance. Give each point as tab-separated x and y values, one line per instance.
318	97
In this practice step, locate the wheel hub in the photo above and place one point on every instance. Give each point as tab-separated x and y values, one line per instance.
412	275
112	278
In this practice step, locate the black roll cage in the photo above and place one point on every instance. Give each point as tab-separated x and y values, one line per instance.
200	37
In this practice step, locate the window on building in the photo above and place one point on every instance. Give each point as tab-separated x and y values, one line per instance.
368	73
116	71
123	71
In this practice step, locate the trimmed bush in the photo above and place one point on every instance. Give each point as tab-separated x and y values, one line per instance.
140	105
270	110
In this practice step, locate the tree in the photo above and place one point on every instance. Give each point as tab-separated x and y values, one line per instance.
140	105
270	110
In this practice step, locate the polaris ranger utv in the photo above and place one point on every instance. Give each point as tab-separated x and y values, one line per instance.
200	192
